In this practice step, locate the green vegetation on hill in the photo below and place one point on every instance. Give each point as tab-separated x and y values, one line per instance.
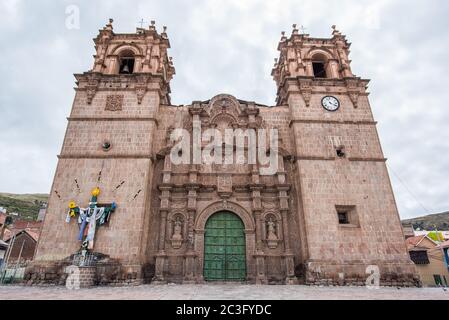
26	205
440	220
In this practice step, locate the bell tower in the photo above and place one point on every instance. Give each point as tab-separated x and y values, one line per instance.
109	144
141	56
345	196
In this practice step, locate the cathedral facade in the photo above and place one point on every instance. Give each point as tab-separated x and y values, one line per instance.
325	215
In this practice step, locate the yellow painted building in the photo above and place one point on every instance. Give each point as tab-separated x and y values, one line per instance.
429	259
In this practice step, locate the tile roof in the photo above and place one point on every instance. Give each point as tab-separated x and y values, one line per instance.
34	235
23	224
413	241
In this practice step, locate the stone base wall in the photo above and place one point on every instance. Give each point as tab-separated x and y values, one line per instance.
356	274
103	274
310	273
87	277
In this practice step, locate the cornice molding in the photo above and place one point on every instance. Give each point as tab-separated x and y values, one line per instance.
113	119
312	121
105	156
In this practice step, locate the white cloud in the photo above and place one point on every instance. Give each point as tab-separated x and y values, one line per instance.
229	46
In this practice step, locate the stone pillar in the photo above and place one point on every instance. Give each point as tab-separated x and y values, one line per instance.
256	187
288	254
190	256
333	68
309	67
190	260
161	255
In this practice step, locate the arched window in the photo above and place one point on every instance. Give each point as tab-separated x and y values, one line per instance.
319	63
127	62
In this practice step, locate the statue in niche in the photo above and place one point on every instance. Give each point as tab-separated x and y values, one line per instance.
176	239
272	238
271	228
177	230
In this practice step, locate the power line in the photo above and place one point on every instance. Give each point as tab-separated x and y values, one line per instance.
408	189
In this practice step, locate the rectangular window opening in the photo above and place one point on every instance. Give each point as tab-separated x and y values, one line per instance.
319	70
347	216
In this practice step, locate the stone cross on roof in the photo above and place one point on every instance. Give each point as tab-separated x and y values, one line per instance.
142	22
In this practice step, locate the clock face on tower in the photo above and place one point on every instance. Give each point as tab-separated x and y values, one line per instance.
330	103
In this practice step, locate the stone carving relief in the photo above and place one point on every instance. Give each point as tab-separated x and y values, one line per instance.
91	88
224	185
141	88
353	91
114	102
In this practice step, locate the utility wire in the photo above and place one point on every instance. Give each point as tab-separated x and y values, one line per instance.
408	189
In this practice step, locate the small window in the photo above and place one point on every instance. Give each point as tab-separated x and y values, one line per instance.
347	216
319	70
419	257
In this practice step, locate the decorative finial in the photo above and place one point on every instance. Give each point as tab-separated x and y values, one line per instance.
152	26
295	30
335	32
165	29
109	25
283	33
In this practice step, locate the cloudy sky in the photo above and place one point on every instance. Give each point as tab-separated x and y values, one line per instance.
229	46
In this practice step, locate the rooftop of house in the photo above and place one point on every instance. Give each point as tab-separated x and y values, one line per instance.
34	235
420	242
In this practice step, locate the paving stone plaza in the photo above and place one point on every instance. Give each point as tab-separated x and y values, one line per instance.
221	292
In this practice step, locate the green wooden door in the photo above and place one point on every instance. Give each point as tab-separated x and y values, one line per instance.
224	248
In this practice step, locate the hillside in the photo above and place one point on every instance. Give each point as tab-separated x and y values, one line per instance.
440	220
26	205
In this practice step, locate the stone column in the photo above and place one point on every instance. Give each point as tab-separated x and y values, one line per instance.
256	187
333	66
161	255
165	189
190	261
288	254
309	67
